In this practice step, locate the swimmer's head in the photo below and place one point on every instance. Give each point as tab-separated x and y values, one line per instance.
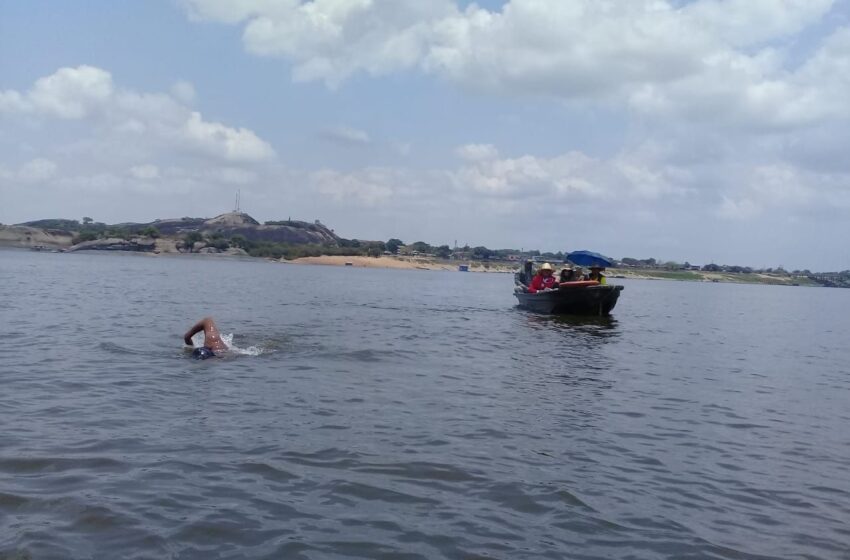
202	353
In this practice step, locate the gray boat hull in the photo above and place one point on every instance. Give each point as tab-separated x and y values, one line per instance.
589	300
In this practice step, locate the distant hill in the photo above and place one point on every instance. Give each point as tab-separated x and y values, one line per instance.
26	236
215	232
293	232
63	225
232	219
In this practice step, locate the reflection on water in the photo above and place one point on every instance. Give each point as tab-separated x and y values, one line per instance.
575	347
406	414
575	324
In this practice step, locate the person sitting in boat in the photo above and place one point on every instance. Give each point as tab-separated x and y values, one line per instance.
526	275
570	274
543	280
596	274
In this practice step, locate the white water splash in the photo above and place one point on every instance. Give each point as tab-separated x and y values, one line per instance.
198	341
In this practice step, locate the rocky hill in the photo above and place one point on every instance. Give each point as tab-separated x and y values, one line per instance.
26	236
169	235
293	232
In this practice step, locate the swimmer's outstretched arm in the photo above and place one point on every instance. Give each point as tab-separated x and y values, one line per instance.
206	324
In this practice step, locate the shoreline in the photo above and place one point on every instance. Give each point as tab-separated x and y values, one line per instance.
402	263
432	264
418	263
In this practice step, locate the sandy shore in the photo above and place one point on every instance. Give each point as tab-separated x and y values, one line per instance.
413	263
408	263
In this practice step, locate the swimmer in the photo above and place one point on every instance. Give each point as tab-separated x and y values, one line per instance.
212	339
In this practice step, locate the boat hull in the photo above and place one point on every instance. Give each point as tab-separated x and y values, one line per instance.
589	300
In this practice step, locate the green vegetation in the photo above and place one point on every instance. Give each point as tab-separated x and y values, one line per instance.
443	252
219	244
89	230
239	241
118	232
676	275
289	252
85	236
629	261
191	238
150	231
420	247
720	275
66	225
393	244
295	224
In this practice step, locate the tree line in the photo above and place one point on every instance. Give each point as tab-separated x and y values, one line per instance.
90	230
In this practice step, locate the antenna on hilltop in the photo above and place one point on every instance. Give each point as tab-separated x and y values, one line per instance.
238	195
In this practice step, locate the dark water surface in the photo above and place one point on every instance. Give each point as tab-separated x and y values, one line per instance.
413	414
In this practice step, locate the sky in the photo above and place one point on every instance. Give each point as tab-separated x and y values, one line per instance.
701	131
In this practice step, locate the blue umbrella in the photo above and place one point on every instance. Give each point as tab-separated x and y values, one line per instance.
589	258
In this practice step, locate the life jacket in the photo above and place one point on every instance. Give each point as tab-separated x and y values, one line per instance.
599	278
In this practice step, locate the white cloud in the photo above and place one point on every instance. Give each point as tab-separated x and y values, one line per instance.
369	187
228	11
751	22
781	189
565	49
347	135
698	62
162	121
403	149
69	93
707	59
117	148
233	176
183	91
781	184
477	152
755	93
230	144
574	177
330	40
36	171
743	209
12	102
145	172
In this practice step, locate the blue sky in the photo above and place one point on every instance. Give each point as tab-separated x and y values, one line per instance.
710	130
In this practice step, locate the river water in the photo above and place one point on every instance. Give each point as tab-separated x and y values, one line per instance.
413	414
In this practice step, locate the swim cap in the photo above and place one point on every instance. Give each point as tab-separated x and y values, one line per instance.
202	353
